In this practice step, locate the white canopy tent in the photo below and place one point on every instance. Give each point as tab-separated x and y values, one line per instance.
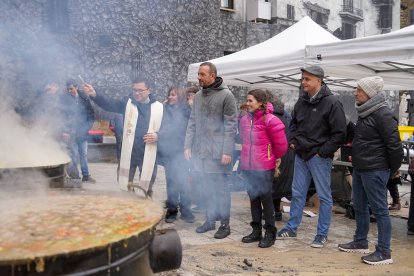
390	56
272	63
276	62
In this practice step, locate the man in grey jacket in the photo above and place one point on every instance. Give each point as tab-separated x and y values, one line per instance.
209	143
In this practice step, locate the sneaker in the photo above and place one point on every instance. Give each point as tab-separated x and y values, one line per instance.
286	234
377	258
410	232
354	247
207	226
222	232
171	215
278	216
319	241
187	216
88	178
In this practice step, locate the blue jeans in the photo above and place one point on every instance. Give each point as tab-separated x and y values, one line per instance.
318	169
371	187
79	148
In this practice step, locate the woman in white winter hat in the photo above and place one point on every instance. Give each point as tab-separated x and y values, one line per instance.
376	154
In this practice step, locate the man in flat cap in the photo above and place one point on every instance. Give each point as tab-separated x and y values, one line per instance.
376	154
318	129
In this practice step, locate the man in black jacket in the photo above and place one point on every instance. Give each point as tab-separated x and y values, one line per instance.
317	130
79	116
376	154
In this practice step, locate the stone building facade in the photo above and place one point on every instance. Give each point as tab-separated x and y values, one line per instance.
110	42
407	13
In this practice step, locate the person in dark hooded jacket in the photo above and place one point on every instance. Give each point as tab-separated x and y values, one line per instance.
282	183
79	118
318	129
170	154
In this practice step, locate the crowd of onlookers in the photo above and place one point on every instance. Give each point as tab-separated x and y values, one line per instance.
193	135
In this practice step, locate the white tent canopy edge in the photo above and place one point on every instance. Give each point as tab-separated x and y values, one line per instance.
390	56
276	62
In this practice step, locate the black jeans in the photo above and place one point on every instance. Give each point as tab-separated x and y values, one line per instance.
218	198
178	188
260	194
410	222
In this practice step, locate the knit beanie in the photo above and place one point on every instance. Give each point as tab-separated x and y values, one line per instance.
371	85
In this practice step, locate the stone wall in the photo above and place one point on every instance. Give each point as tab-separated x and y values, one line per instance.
30	55
157	39
109	42
406	7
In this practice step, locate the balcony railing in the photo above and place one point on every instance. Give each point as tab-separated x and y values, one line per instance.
352	10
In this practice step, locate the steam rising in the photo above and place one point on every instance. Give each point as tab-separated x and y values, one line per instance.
29	58
23	146
24	67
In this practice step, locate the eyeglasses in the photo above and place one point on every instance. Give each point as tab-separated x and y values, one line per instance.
139	91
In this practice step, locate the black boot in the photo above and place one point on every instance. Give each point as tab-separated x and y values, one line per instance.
269	238
393	188
255	235
171	215
278	216
276	205
396	205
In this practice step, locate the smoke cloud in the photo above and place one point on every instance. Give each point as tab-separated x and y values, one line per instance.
29	58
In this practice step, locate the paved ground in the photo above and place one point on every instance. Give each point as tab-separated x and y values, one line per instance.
204	255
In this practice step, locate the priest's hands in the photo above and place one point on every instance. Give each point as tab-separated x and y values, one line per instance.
89	90
151	138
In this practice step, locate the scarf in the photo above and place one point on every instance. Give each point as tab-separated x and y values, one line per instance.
372	105
131	118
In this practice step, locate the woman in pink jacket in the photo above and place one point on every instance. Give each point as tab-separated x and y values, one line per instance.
263	142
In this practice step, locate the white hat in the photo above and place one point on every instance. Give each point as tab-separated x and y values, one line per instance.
371	85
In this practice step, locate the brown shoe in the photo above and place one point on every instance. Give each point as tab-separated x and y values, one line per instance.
395	207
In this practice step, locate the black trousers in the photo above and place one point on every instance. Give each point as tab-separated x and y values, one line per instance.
178	187
133	168
410	222
260	194
393	188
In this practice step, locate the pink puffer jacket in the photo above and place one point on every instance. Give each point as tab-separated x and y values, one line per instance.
263	141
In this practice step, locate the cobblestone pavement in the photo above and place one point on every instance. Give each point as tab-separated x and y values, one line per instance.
204	255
